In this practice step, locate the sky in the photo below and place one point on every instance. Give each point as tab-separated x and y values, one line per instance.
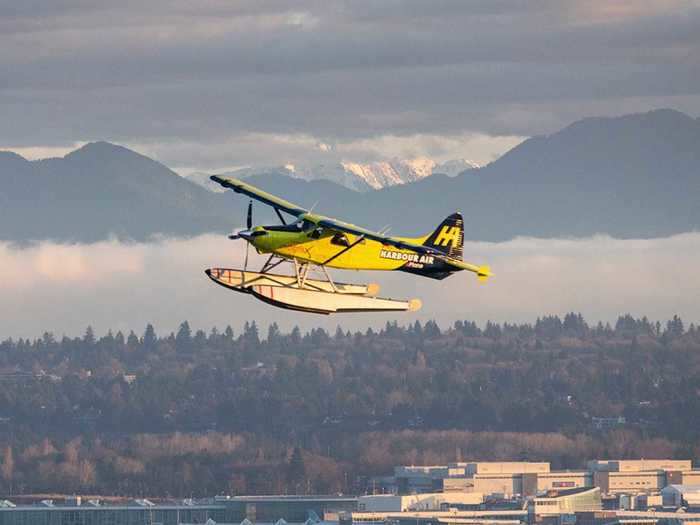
214	84
112	285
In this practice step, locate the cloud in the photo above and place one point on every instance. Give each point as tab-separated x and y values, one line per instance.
43	152
303	149
477	147
339	72
64	288
49	264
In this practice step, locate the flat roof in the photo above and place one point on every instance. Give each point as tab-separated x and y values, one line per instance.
205	504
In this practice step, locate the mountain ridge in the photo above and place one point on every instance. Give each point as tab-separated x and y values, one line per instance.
636	176
357	176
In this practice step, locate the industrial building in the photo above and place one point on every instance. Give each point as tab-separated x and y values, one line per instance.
639	465
509	478
682	496
427	501
567	501
489	477
229	510
415	479
609	492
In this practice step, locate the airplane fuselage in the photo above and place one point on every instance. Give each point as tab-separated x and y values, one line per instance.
333	250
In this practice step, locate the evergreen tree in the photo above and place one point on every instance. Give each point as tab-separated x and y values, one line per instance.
200	340
183	339
89	337
273	333
417	329
295	336
132	341
251	337
150	338
432	329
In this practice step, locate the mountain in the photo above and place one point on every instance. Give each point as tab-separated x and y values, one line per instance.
631	176
635	176
353	175
103	190
455	167
97	191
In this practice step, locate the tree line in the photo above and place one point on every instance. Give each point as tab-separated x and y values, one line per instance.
197	413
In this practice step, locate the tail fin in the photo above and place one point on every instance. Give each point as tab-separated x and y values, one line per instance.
448	237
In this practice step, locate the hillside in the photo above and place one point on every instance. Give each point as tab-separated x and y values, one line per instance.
172	414
631	176
101	190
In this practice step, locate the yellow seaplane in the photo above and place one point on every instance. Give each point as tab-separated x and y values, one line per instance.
313	242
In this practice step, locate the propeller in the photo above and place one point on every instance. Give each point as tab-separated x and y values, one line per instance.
248	223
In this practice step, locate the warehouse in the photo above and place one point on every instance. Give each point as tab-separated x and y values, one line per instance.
269	509
567	501
419	502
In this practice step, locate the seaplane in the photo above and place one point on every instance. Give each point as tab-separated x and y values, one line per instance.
312	243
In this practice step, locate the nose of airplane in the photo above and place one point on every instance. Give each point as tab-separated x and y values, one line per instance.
248	234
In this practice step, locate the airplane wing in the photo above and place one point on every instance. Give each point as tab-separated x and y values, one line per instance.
259	195
325	222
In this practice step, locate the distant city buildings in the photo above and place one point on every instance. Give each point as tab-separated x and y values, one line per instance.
509	478
607	492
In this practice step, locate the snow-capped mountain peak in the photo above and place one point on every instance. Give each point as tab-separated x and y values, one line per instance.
355	175
452	168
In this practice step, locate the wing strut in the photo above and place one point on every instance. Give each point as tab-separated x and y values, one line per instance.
277	211
341	252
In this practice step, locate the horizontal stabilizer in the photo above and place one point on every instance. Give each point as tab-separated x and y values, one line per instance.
483	273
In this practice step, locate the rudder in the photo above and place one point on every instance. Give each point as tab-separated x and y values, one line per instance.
448	237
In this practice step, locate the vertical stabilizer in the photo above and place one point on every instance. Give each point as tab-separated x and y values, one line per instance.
449	236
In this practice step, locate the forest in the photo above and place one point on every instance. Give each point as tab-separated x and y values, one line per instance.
196	413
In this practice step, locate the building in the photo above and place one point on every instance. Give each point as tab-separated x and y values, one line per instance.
435	501
677	496
630	482
416	479
504	467
688	477
234	510
567	501
526	479
639	465
529	484
138	512
564	479
633	476
489	477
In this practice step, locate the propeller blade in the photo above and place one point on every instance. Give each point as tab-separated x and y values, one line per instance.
249	219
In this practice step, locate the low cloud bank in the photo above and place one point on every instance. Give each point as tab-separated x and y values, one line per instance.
64	288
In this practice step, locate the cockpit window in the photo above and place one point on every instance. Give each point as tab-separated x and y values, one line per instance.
283	228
